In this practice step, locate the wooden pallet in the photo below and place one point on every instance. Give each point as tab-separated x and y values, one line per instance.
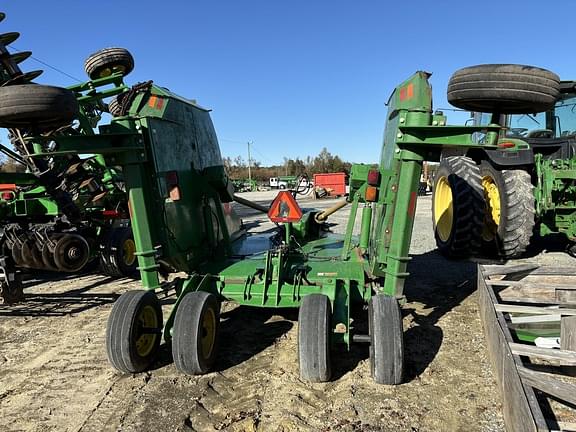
536	383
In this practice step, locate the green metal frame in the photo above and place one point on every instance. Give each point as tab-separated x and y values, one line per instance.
345	268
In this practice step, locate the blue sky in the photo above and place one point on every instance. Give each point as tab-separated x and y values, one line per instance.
294	76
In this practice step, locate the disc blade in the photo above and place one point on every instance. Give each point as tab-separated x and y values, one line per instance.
8	38
20	56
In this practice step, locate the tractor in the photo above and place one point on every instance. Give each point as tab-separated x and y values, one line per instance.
528	184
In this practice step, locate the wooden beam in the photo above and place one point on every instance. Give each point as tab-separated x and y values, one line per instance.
534	319
568	333
531	285
492	270
563	358
519	405
533	309
532	269
550	385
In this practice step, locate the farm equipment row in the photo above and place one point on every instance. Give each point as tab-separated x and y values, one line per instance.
179	196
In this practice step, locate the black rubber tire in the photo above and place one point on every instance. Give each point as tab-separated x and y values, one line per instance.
463	177
113	262
504	89
314	328
62	258
190	356
36	106
115	105
125	329
386	340
513	231
107	61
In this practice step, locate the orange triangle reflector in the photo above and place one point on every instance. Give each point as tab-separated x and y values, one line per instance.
284	208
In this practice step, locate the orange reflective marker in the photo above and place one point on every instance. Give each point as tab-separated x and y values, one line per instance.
284	208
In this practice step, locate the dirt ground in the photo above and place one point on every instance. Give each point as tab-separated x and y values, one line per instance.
54	375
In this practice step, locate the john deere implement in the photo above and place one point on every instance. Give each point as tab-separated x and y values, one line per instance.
179	198
66	209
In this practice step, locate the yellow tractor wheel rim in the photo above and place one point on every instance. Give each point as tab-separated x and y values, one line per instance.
129	252
208	335
443	209
148	321
493	208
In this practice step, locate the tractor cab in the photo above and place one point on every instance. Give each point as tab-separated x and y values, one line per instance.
551	133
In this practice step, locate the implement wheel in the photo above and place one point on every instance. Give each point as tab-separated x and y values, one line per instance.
504	89
314	328
115	106
133	331
195	333
509	217
109	61
386	340
33	105
458	207
118	253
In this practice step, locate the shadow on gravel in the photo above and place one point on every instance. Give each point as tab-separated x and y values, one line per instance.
247	331
44	305
64	303
550	243
439	285
244	333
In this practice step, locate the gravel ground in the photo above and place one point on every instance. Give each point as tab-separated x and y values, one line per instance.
54	375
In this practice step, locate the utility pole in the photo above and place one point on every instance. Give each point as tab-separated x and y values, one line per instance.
249	166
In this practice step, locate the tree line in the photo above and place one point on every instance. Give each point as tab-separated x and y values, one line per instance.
324	162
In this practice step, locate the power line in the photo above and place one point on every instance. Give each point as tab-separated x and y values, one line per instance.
47	65
260	153
232	141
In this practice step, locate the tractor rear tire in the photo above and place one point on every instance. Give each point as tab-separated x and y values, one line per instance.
314	328
117	253
134	331
195	333
458	207
386	340
510	211
36	106
108	61
504	89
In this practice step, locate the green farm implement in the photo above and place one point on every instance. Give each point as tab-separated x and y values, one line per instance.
67	209
181	215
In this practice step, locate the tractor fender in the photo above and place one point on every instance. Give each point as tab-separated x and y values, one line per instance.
502	158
